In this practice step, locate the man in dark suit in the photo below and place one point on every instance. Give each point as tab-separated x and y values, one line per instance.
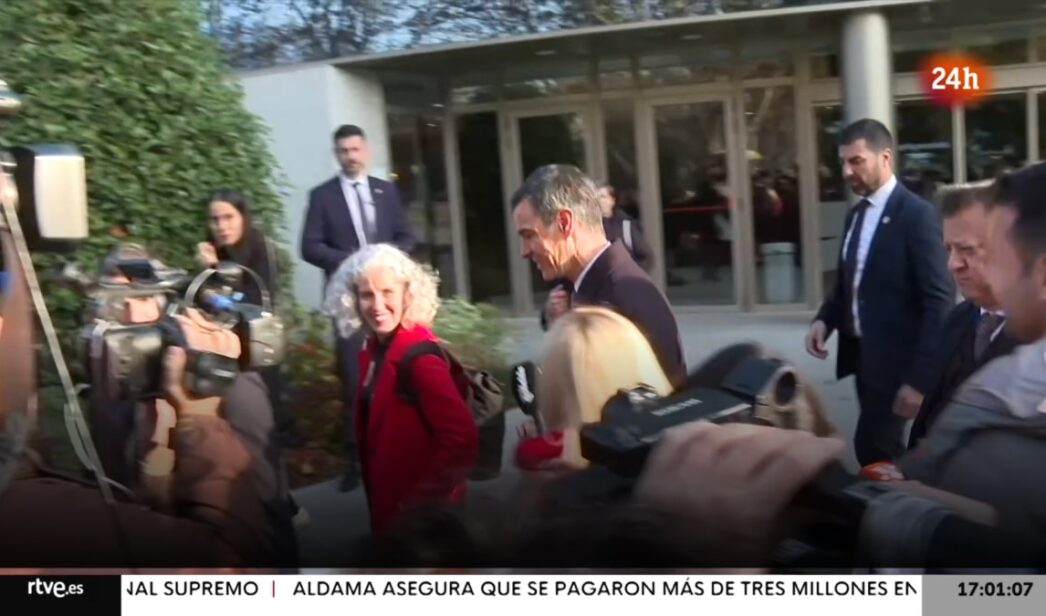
892	296
346	213
560	224
974	332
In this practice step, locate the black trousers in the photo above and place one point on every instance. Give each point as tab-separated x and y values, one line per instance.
879	431
347	355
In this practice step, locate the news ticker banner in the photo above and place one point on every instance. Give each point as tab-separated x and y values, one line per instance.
526	595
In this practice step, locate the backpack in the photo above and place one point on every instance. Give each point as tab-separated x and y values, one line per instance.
483	396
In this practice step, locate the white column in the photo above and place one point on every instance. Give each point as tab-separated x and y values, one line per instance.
302	106
867	74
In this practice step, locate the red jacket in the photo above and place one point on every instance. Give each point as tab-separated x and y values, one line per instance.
405	460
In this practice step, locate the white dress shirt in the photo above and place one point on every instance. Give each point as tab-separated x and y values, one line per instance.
356	211
581	276
872	216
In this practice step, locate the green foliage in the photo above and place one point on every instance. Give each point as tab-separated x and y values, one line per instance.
476	333
147	98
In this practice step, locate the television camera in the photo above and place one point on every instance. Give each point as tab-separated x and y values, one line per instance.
739	384
131	354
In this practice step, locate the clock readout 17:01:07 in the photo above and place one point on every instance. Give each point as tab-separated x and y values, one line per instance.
995	589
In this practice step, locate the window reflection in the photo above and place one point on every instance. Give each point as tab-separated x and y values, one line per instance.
705	66
696	203
998	48
909	55
484	215
417	167
996	136
619	127
1042	126
833	204
774	184
924	146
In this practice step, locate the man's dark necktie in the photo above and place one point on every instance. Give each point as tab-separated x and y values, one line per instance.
850	265
368	222
987	325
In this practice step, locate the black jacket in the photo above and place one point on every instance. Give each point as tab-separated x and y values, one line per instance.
328	236
615	281
904	297
954	363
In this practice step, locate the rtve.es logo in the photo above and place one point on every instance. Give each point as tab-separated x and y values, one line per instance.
955	78
58	590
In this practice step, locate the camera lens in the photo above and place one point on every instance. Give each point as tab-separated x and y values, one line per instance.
785	389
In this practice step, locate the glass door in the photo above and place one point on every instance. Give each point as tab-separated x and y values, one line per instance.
544	137
695	190
774	255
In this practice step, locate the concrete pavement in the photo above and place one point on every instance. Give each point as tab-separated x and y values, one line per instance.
339	520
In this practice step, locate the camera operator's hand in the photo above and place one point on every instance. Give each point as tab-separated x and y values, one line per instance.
200	335
733	482
141	310
816	338
206	255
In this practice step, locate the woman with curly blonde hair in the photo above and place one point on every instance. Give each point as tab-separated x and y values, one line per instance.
412	452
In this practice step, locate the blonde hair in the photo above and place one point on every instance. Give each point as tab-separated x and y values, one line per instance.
589	355
421	297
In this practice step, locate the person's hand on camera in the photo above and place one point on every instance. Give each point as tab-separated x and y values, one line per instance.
200	335
206	255
816	338
141	310
733	482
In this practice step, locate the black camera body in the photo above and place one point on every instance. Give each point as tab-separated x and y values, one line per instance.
128	357
753	390
756	390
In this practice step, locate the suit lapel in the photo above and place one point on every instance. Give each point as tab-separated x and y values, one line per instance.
377	194
884	229
1004	344
967	323
846	229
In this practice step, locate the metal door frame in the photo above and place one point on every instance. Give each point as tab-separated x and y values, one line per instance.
650	185
512	178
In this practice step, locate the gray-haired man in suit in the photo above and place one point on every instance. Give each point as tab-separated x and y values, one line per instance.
560	224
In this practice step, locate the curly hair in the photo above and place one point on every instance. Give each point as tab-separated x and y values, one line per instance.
421	299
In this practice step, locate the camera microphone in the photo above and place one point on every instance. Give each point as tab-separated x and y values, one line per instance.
524	390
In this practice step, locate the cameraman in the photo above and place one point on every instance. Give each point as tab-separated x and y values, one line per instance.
113	422
49	520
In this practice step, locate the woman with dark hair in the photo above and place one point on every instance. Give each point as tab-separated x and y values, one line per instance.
233	236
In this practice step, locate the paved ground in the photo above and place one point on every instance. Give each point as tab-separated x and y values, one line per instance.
340	520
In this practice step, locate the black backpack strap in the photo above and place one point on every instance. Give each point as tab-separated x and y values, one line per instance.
403	374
